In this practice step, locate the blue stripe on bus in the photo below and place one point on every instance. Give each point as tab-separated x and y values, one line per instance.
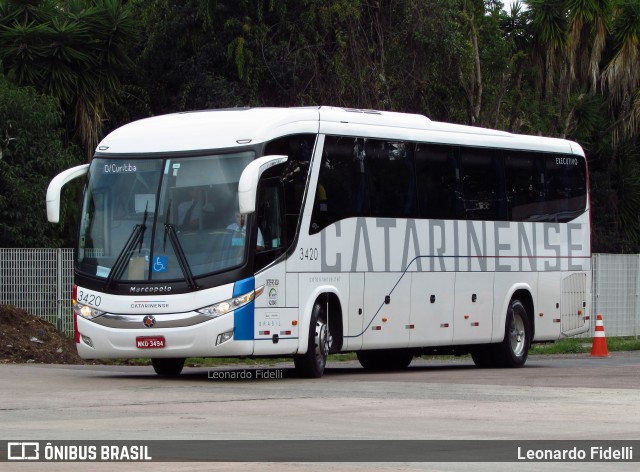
243	317
244	286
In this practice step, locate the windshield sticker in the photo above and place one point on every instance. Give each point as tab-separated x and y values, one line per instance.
119	168
160	263
102	271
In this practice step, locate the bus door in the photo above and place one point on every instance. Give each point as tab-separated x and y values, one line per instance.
356	311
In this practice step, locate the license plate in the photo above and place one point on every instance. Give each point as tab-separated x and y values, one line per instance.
150	342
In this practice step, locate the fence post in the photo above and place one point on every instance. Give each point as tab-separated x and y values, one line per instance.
637	304
594	292
59	321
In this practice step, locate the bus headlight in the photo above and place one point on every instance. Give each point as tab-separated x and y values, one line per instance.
86	311
226	306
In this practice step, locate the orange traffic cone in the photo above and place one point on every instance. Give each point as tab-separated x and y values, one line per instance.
599	348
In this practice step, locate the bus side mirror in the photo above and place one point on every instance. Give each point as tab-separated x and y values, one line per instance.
53	191
248	184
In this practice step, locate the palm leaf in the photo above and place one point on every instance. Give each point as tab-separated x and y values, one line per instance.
622	74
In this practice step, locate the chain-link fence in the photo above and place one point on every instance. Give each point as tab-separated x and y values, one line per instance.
615	290
40	282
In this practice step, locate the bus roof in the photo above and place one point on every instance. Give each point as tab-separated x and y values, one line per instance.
239	127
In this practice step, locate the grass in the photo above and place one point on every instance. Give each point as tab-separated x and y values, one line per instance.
249	362
583	345
218	361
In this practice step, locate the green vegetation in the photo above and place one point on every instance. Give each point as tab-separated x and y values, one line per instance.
564	346
74	51
244	362
564	68
32	151
583	345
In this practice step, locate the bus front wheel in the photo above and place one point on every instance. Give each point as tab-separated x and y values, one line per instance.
168	367
312	363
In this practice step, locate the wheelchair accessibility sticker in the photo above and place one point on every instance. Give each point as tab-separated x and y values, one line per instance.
160	263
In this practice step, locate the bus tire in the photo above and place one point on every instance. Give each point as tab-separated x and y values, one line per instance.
514	349
311	365
385	359
483	356
168	367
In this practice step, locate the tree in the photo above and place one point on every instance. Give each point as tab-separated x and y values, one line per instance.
549	23
428	51
183	61
73	50
31	153
589	27
621	76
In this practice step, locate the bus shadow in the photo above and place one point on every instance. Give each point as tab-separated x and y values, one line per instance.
268	373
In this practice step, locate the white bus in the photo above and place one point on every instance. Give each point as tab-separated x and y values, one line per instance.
308	231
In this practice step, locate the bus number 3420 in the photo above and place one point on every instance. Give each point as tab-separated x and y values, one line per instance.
89	298
309	254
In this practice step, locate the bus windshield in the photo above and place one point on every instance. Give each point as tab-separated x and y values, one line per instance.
157	219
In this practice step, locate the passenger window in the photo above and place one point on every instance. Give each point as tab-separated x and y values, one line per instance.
341	191
293	175
391	177
483	189
565	187
525	191
270	236
437	178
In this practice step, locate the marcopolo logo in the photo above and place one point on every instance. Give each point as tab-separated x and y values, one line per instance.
151	290
23	451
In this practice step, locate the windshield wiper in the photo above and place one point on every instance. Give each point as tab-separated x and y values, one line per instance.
136	238
170	230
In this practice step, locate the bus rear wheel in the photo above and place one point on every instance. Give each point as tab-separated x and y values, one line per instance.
385	359
483	356
514	349
313	362
168	367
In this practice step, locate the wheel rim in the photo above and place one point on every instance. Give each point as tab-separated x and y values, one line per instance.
322	343
517	334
